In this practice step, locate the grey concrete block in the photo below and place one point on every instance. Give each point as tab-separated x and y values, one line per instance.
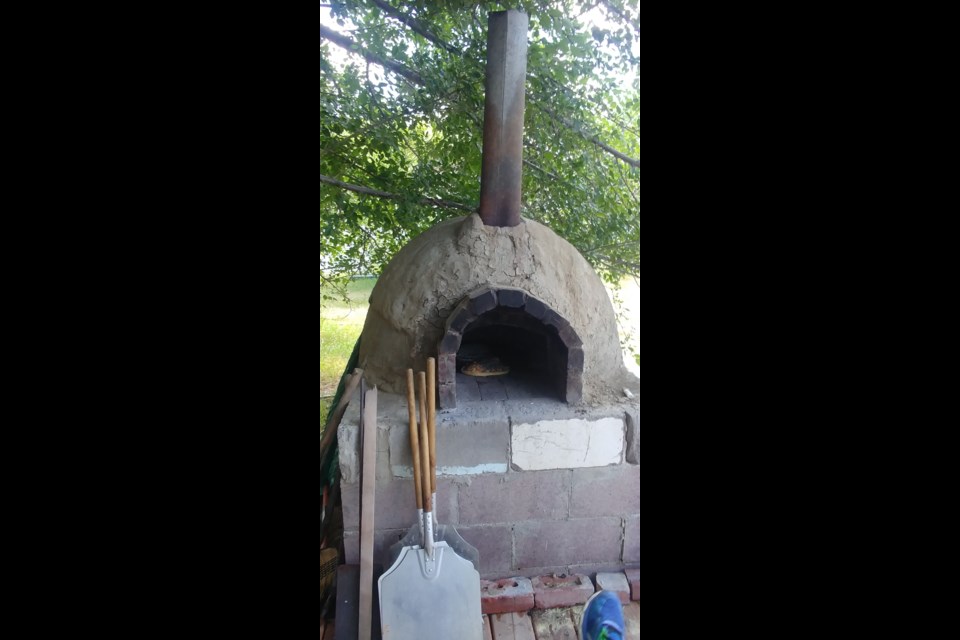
391	409
466	445
348	443
447	505
605	491
394	504
514	497
495	544
631	539
382	541
633	435
589	568
383	453
348	448
477	446
474	439
544	543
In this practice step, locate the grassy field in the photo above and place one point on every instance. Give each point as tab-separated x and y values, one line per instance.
341	324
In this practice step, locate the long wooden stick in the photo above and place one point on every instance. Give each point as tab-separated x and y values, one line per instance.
432	420
414	438
369	476
424	442
425	463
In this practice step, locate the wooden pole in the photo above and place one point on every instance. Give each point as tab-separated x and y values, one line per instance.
369	478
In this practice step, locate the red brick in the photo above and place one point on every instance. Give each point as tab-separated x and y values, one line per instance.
633	577
506	595
561	590
615	582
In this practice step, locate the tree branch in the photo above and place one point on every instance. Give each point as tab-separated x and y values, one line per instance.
348	44
436	202
343	41
416	26
578	128
622	15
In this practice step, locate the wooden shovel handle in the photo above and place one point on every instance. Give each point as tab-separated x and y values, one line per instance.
414	438
432	419
424	443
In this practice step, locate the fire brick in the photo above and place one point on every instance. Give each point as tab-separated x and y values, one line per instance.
569	336
616	582
575	358
633	577
483	300
561	590
535	308
450	342
446	367
460	317
508	594
511	298
448	396
553	320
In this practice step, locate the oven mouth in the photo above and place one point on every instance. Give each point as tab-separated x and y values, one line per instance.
504	344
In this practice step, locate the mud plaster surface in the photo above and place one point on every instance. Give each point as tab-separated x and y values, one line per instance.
430	275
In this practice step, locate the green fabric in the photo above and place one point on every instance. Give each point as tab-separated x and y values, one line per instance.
330	464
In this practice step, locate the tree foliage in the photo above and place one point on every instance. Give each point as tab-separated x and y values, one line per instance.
402	126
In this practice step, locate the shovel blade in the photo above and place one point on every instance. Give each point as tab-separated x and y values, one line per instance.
438	599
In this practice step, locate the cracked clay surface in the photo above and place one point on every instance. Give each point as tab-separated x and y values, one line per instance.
430	275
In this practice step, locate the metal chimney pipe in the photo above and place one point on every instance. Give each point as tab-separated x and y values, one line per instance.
503	118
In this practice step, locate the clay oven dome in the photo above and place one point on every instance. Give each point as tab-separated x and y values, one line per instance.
423	298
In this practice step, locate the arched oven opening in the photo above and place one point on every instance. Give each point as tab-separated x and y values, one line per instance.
504	344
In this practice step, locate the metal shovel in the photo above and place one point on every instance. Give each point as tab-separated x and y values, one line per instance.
429	592
446	533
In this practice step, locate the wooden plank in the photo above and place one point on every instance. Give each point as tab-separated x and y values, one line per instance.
511	626
486	629
367	503
631	619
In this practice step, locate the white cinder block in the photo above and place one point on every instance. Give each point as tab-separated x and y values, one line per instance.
565	444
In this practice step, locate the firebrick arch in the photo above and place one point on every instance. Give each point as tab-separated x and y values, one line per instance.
488	298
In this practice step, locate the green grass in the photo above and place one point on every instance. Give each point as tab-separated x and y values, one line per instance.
340	326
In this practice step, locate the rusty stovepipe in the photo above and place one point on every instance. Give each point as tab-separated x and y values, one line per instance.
503	118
